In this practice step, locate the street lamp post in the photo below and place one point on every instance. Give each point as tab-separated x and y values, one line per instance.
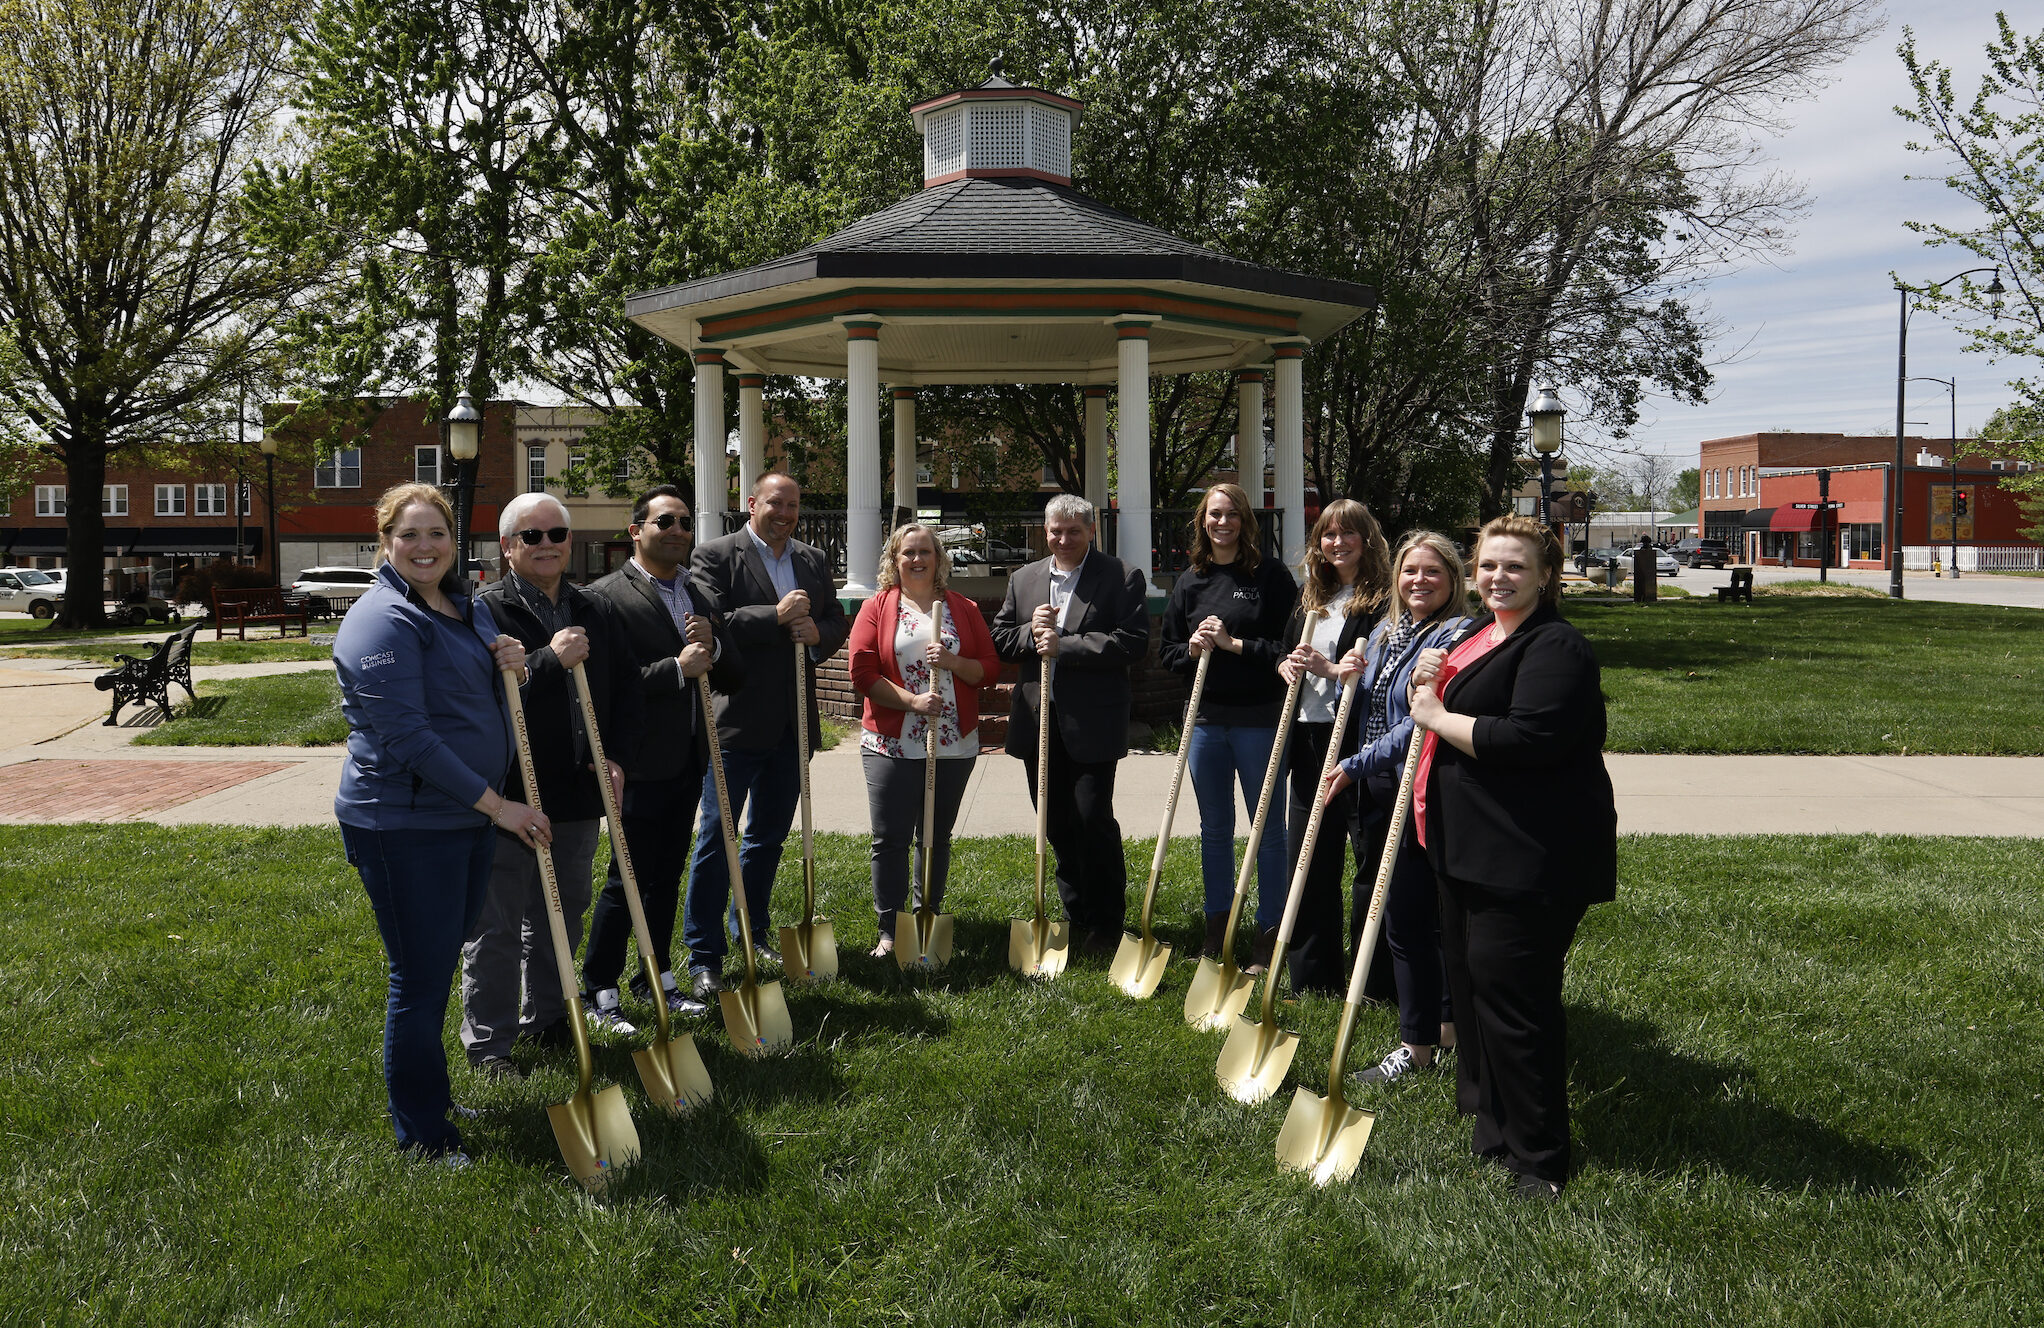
1543	419
1994	289
464	425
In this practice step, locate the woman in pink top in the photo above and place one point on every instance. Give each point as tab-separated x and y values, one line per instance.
894	659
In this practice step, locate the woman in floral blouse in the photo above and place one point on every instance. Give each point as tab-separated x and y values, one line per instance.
893	661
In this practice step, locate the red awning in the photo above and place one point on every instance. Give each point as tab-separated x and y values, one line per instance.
1788	518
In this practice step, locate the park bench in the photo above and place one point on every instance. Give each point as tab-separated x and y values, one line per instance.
1741	589
242	607
139	680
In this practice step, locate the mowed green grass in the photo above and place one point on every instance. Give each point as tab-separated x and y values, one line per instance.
1808	674
277	710
1804	1081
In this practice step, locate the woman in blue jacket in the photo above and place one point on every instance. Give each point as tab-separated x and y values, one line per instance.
428	741
1427	582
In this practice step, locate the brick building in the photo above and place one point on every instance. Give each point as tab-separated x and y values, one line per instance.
158	521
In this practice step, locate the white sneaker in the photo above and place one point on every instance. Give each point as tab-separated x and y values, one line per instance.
1395	1066
605	1016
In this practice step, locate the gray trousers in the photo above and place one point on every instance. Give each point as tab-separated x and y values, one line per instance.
509	980
894	798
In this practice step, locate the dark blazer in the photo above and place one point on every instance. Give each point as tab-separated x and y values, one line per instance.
735	576
671	737
1533	812
553	717
1106	631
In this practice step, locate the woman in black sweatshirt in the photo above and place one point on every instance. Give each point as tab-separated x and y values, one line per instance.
1234	602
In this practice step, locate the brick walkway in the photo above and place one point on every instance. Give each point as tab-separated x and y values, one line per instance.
58	790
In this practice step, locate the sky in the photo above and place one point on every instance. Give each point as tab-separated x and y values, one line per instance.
1808	342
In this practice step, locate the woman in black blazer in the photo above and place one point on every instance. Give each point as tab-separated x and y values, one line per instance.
1516	813
1346	574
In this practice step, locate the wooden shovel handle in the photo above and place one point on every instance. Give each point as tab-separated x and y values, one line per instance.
1304	867
727	822
1270	781
618	849
930	763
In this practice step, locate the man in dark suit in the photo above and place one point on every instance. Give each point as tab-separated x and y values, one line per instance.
773	592
1087	613
511	949
665	618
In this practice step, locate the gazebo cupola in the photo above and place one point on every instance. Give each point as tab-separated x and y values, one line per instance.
999	271
997	131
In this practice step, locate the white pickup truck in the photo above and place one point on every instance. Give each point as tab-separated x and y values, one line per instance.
27	590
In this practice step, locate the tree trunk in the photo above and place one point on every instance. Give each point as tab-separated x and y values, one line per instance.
84	536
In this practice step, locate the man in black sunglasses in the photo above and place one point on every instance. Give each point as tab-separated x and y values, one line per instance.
666	614
511	950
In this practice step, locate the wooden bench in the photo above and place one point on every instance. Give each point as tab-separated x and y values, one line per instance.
139	680
255	606
1741	589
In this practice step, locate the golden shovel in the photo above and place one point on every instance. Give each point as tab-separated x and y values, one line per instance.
809	948
1219	990
1257	1053
1139	960
1324	1136
922	938
672	1070
1038	946
755	1016
594	1130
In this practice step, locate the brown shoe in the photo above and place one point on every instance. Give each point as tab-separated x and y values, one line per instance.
1217	931
1266	945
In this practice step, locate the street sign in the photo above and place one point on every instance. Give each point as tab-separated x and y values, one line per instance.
1816	507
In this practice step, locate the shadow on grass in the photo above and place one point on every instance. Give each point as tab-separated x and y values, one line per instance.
1651	1109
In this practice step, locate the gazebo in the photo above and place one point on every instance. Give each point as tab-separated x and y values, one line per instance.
999	272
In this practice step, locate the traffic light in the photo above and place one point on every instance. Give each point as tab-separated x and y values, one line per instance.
1959	501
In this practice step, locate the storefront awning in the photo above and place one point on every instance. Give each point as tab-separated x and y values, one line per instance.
195	541
49	541
1759	518
1794	519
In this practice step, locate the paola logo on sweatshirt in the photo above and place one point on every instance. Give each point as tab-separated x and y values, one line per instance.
1251	595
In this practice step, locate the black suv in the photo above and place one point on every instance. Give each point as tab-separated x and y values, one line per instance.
1700	553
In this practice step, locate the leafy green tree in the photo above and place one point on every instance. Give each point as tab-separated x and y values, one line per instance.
131	301
1683	494
1990	145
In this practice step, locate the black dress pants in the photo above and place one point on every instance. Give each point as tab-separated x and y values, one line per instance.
1092	875
1504	955
1318	954
658	815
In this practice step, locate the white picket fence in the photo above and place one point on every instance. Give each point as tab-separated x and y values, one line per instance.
1976	558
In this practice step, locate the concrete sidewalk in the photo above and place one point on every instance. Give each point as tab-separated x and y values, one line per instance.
50	713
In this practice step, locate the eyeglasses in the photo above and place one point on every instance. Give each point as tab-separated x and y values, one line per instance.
557	535
668	521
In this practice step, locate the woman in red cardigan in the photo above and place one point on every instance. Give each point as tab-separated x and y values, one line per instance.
893	663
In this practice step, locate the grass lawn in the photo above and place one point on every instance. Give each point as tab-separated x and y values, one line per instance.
1794	674
204	650
1803	1076
279	710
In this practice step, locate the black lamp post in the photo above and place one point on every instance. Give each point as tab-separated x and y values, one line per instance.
269	446
1994	289
464	426
1543	418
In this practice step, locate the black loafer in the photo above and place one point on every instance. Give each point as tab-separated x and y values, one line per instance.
1530	1186
705	985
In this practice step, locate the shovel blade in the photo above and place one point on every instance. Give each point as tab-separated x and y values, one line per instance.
674	1075
756	1018
1254	1059
1038	948
809	951
922	940
1217	994
1323	1137
596	1135
1139	965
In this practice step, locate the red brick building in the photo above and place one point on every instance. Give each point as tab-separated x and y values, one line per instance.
157	520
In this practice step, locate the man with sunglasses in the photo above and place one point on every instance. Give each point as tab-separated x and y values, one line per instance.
774	592
666	614
511	949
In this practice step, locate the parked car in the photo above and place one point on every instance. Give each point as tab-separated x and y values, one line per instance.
1622	554
324	589
29	590
1700	553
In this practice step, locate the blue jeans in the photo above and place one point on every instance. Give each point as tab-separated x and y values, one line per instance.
1224	755
771	781
427	888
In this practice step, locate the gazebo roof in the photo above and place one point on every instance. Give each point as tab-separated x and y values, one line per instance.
1014	278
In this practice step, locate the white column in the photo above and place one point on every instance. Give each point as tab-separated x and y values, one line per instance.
862	455
712	487
1132	447
1249	434
751	433
1096	446
1290	439
904	452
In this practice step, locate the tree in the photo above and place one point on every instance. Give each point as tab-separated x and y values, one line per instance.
130	298
1992	143
1685	492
